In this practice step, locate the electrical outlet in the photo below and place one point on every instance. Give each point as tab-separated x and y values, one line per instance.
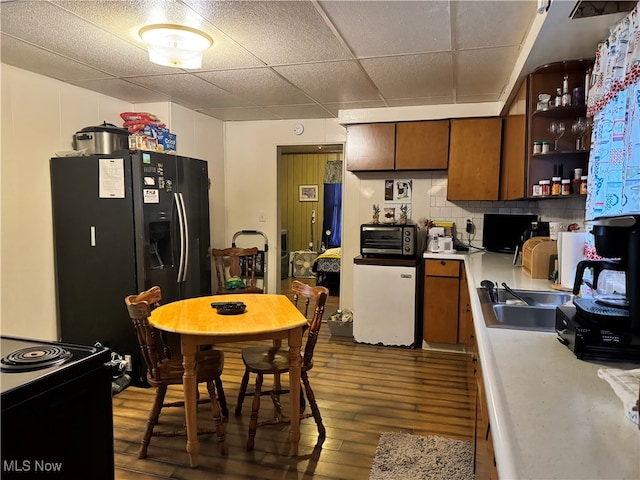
127	359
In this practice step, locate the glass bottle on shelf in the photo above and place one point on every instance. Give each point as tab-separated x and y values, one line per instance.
557	101
566	96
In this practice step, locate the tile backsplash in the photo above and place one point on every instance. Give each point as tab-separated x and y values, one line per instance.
431	196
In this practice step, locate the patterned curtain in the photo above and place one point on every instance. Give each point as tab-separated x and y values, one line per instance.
333	171
614	104
332	204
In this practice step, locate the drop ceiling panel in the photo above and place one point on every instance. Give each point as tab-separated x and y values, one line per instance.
484	71
191	91
125	19
408	53
115	87
390	28
331	81
275	32
96	48
23	55
299	111
261	86
426	75
490	24
334	107
410	102
239	114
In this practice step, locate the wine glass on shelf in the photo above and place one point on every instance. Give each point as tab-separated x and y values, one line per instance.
579	129
557	130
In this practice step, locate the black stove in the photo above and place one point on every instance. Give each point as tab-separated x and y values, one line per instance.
596	335
56	410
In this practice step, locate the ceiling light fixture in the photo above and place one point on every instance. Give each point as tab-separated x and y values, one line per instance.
175	45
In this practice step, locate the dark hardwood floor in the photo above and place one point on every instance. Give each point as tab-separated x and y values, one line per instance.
362	391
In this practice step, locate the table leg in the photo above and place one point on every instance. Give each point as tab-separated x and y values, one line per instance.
295	361
190	386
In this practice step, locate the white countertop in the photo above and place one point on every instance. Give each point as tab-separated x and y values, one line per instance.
551	416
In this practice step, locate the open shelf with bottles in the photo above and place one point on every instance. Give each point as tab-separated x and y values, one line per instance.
565	128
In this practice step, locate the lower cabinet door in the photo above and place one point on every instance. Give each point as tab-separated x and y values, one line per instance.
440	317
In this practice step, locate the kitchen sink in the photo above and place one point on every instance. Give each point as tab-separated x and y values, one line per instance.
509	312
524	317
540	298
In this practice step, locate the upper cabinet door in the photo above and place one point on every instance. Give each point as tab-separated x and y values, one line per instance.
422	145
371	147
474	159
513	176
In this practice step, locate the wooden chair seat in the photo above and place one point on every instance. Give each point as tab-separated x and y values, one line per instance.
274	361
267	360
209	364
164	370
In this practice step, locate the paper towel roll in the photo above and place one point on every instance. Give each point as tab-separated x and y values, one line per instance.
570	252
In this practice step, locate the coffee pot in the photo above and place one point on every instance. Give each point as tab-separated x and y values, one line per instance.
618	240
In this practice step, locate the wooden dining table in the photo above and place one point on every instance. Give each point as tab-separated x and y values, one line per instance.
267	316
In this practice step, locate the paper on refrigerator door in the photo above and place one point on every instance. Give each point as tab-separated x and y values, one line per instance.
111	177
570	252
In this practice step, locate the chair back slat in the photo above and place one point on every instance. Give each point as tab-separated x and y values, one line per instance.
152	346
317	296
235	262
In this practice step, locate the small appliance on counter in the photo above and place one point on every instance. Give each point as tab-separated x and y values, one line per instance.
102	139
504	233
56	410
606	326
390	240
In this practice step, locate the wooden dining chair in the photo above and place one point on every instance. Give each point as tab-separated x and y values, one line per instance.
163	370
236	262
265	360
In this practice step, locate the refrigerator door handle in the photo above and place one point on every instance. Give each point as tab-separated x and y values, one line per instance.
182	236
186	239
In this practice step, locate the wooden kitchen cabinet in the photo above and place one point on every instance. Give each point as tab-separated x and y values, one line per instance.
422	145
484	462
525	124
398	146
465	318
513	175
440	306
371	147
545	80
474	159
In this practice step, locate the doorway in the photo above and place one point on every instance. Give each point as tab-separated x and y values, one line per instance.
309	207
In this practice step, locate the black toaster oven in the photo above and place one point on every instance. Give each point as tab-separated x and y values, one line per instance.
389	240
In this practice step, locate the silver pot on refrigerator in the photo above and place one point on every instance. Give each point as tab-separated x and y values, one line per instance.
102	139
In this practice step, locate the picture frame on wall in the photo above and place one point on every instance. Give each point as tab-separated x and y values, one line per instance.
308	193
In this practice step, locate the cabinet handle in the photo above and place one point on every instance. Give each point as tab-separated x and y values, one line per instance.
443	263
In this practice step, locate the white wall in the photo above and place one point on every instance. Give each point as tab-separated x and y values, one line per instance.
251	165
39	117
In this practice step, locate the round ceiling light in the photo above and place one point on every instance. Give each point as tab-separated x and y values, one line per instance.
175	45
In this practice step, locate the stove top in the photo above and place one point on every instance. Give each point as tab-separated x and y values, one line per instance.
24	361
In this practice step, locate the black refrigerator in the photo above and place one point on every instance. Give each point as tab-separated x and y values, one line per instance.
123	223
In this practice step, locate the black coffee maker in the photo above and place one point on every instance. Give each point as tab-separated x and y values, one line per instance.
607	325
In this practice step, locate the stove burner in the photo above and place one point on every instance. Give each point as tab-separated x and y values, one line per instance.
34	358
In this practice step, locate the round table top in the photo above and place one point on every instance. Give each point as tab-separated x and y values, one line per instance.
264	313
